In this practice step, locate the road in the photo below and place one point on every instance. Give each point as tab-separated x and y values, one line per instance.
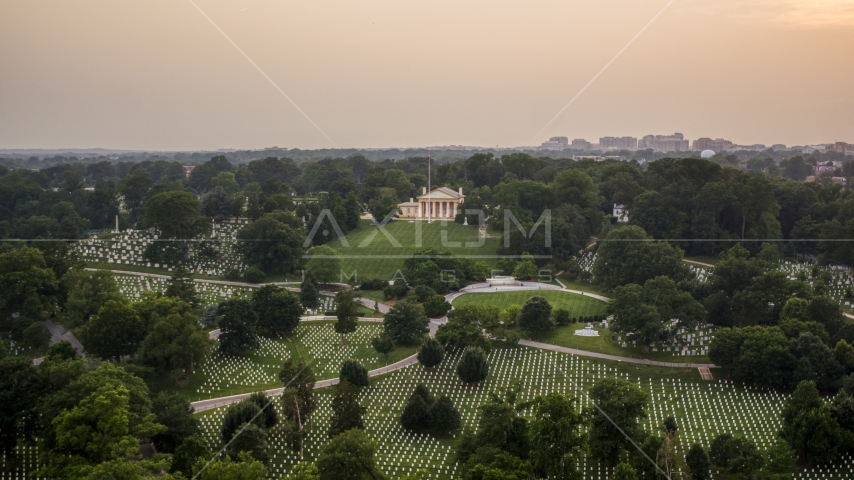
203	405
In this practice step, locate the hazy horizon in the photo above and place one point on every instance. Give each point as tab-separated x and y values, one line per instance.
157	76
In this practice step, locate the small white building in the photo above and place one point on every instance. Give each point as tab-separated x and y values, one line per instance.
621	213
441	203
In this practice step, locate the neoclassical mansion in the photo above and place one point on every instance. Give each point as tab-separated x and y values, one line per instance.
442	202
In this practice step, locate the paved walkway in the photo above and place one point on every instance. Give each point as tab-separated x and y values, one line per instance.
616	358
203	405
57	334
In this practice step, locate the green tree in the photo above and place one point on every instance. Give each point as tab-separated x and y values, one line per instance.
473	366
381	207
436	306
645	312
355	373
500	430
26	284
558	436
622	402
253	440
536	315
349	456
182	286
36	336
809	427
176	342
87	293
346	410
97	430
309	291
628	255
176	214
324	263
191	451
278	310
304	471
347	313
227	469
175	413
237	321
431	353
116	331
414	415
60	351
405	323
256	408
526	270
297	400
442	416
273	242
624	471
153	307
383	344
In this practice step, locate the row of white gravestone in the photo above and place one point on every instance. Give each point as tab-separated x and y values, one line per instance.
703	410
127	248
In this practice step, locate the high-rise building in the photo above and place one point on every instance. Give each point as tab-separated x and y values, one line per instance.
664	143
618	143
716	145
580	144
555	143
840	147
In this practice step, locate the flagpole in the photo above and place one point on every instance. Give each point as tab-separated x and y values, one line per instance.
429	188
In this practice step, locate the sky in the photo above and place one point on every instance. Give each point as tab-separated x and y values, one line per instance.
170	75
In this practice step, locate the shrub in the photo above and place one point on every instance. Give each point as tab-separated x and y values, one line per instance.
232	274
473	366
355	373
254	275
431	353
373	284
561	316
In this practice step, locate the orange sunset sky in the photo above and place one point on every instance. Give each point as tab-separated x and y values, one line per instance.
157	75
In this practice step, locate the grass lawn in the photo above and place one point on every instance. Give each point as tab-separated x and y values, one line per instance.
566	337
577	305
379	258
376	295
588	287
314	342
702	409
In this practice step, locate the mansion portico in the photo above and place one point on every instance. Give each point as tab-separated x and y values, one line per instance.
441	203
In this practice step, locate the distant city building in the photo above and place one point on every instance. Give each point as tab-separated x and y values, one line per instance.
722	145
718	145
580	144
618	143
621	213
555	143
840	147
599	158
778	147
665	143
188	169
437	148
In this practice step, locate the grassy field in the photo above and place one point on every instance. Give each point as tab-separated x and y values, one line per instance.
566	337
314	342
703	409
577	305
379	258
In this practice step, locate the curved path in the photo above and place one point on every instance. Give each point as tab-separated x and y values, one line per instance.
434	325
